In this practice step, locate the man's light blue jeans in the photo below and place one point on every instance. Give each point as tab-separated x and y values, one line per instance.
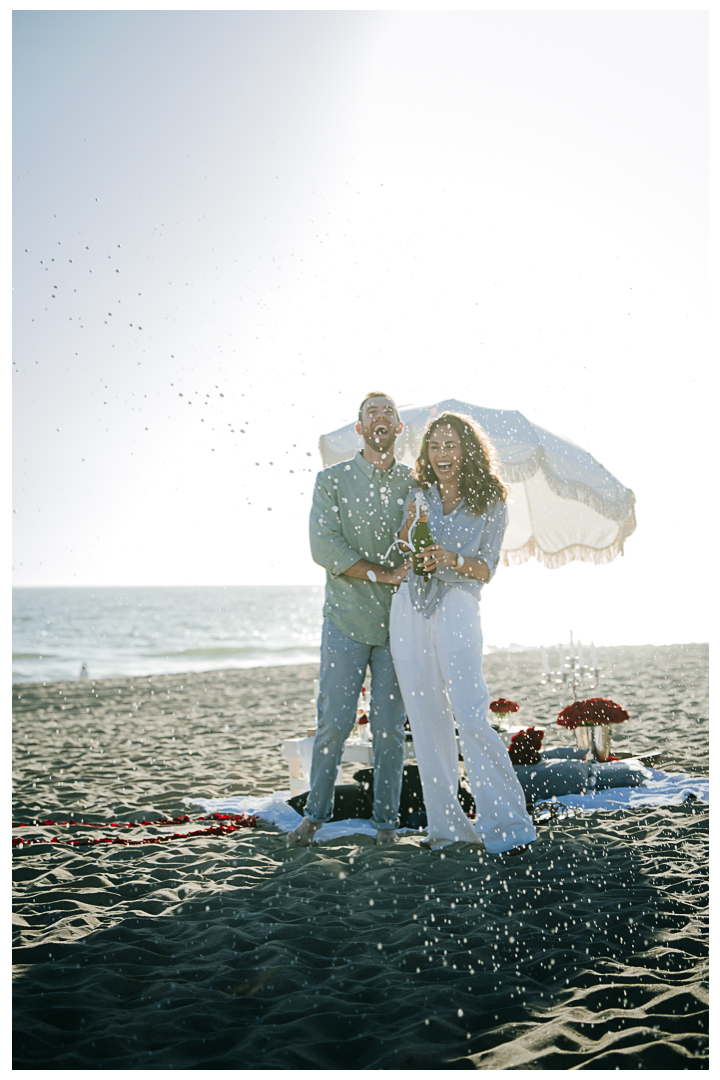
343	663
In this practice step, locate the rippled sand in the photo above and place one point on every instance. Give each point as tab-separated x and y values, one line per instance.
588	951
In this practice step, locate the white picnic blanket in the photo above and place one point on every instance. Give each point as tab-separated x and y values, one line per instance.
659	789
274	808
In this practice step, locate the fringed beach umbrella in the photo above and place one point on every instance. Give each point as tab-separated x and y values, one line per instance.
563	506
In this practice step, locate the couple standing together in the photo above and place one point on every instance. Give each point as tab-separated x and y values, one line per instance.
421	638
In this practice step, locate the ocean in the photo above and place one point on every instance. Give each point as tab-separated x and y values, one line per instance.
162	630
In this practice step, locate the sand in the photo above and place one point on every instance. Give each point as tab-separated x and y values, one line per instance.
588	951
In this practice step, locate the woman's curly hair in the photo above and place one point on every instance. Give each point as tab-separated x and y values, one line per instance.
480	484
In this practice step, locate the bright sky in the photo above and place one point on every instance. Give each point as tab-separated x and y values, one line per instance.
229	226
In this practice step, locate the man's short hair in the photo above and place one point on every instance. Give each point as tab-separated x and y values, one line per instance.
376	393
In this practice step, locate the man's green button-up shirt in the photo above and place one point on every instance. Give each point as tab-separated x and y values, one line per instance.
355	514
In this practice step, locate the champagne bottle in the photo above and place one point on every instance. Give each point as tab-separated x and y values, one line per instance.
421	538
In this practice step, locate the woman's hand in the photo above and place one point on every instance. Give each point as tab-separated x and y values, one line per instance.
435	556
404	532
472	567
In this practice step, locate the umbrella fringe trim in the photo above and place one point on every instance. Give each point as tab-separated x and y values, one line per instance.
574	553
620	506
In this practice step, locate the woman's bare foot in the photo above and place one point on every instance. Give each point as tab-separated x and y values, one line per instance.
302	836
386	836
435	845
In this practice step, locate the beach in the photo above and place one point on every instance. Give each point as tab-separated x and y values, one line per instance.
589	950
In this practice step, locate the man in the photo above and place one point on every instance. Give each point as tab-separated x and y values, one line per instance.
357	509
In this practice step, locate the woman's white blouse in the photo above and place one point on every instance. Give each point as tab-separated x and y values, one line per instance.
472	536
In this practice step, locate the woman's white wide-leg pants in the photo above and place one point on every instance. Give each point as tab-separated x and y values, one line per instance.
438	662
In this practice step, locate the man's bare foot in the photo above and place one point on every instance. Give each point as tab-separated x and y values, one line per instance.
302	836
386	836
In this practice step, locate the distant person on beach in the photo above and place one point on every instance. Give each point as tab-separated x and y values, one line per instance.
436	640
356	511
84	674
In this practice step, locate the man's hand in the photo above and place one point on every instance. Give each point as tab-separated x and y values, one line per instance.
400	572
383	575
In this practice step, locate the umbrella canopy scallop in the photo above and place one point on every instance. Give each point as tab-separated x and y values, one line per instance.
563	505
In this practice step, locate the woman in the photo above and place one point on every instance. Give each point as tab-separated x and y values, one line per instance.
436	641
